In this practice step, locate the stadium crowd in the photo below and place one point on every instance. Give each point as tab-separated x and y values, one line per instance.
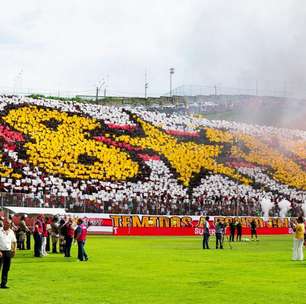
130	160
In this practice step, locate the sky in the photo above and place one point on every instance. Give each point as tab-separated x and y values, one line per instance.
71	45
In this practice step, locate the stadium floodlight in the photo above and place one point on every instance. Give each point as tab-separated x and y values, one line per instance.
171	73
98	88
146	84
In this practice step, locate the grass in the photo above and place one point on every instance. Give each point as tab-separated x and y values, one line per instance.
161	270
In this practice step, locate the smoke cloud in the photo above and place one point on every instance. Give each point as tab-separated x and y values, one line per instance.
284	206
266	205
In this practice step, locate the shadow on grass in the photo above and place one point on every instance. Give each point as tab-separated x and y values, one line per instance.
31	259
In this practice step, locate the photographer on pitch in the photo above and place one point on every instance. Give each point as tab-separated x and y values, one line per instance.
219	234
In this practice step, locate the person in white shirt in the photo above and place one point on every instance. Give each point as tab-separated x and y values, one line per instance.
7	250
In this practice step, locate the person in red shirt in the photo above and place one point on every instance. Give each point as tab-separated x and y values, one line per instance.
69	237
80	237
37	234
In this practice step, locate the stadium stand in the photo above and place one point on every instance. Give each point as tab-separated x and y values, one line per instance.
92	158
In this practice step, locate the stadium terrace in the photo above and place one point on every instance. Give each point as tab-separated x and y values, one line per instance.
130	160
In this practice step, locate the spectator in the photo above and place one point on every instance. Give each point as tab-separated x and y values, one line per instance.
298	240
7	250
69	237
239	231
80	237
206	233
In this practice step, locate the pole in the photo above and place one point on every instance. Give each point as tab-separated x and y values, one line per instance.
171	73
97	93
98	87
146	85
170	84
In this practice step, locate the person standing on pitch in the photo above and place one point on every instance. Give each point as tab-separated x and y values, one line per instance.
206	233
219	234
7	250
48	228
37	234
232	230
44	236
305	234
239	231
23	226
80	236
62	233
54	233
23	229
253	230
298	240
69	237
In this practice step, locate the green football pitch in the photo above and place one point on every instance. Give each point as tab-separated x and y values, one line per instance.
161	270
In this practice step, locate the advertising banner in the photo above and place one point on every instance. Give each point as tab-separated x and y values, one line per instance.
176	225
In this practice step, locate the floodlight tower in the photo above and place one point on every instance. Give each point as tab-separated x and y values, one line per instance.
171	73
98	87
146	85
